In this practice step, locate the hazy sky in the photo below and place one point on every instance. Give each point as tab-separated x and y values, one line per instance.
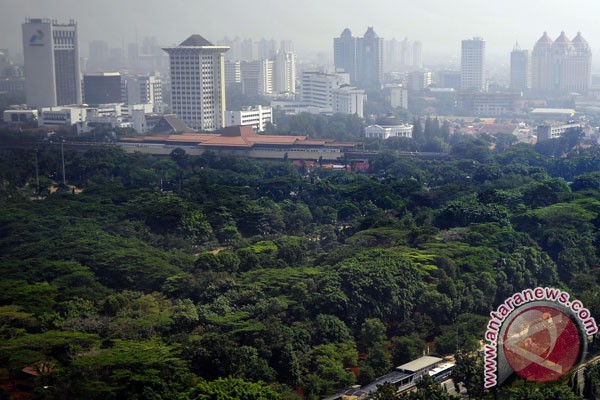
312	24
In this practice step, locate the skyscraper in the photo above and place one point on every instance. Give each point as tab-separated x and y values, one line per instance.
362	58
51	63
345	54
472	76
198	82
418	54
561	66
371	60
284	72
520	69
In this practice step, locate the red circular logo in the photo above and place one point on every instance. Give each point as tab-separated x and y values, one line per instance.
541	344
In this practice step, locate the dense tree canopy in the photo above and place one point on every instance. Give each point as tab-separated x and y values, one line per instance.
213	276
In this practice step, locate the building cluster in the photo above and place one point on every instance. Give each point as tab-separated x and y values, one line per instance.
58	94
110	89
260	68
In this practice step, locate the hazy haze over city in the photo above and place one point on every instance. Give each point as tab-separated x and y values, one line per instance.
311	24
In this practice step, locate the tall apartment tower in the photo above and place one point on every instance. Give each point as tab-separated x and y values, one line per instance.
417	54
284	72
520	69
472	75
345	54
406	53
52	76
198	82
561	66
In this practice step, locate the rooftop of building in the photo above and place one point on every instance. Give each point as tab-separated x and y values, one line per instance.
196	40
419	364
237	136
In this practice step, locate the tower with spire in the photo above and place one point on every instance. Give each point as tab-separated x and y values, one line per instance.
520	69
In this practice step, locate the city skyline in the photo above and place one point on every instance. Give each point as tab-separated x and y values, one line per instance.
432	22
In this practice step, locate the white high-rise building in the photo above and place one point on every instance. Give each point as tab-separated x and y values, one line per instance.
349	100
472	75
561	66
198	83
316	88
51	52
399	97
284	72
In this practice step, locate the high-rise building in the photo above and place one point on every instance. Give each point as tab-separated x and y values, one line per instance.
346	54
317	88
51	63
405	53
198	82
417	54
256	77
284	73
520	69
233	73
472	76
102	88
362	58
561	66
98	59
419	80
143	89
349	100
391	56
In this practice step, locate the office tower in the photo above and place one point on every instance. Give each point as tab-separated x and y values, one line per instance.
417	60
391	55
399	97
198	82
472	60
371	61
51	63
345	54
349	100
449	79
133	55
257	77
419	80
520	71
284	72
286	45
561	66
102	88
98	60
143	89
362	58
405	53
316	88
233	73
248	50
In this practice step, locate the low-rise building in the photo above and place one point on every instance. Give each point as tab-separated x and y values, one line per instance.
545	132
489	104
20	116
258	117
388	127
